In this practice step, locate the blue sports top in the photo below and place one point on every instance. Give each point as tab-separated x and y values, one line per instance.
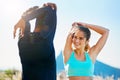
75	67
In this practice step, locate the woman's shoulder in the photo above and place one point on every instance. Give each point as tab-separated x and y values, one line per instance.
68	56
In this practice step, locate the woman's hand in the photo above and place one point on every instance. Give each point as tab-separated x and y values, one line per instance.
79	24
73	30
20	25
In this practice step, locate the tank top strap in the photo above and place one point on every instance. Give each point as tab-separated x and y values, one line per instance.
87	55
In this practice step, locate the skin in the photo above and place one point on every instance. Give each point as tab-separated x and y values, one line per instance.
79	41
21	23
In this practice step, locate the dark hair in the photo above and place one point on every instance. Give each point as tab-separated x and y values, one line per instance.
86	31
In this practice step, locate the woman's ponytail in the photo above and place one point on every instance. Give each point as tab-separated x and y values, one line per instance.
87	47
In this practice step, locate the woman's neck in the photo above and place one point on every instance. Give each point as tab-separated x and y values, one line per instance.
79	51
79	54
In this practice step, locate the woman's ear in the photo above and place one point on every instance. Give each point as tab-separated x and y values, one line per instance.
87	42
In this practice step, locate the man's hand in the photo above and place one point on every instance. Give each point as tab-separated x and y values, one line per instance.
52	5
20	25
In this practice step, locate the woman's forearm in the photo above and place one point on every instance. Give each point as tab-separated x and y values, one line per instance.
99	29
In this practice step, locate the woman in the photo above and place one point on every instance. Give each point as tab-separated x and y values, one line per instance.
36	49
79	57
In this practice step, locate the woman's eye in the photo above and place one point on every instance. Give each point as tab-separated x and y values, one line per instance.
81	38
75	37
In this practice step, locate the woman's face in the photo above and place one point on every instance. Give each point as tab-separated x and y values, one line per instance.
79	40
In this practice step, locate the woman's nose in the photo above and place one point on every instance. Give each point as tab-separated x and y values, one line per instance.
77	40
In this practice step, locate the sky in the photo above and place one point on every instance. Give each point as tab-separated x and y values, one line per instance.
104	13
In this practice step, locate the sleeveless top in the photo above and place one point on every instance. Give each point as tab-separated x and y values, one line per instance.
74	67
